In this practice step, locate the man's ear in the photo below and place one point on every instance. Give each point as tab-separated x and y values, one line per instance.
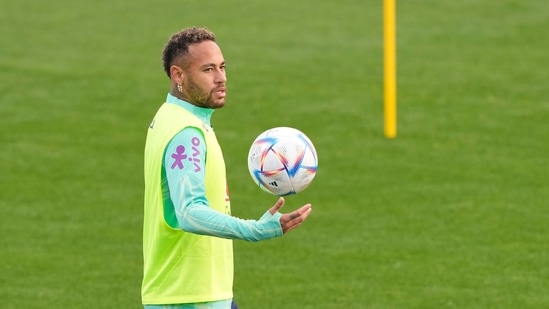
177	75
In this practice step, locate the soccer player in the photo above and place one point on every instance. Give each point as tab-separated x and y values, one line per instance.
188	228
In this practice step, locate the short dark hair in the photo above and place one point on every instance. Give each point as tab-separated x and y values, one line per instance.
178	45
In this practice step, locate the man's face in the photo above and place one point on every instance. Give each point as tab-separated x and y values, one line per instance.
204	82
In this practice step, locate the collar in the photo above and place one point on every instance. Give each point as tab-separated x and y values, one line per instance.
203	113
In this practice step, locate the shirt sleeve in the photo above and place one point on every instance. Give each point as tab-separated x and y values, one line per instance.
184	164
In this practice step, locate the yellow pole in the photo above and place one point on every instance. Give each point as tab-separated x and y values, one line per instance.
389	67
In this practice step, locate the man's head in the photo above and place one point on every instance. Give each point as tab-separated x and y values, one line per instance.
195	65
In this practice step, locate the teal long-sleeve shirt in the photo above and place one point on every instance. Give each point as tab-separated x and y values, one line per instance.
184	166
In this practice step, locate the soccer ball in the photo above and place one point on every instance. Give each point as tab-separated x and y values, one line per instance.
282	161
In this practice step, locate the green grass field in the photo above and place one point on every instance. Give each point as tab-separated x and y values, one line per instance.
453	213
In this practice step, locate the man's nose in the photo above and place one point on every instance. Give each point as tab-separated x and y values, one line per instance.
220	77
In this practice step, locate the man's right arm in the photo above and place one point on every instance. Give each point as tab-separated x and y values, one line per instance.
186	185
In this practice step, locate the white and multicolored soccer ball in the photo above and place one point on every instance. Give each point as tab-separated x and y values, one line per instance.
282	161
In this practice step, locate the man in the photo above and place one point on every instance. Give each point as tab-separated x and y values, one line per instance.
188	228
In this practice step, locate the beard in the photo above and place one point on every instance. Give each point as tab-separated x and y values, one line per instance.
202	97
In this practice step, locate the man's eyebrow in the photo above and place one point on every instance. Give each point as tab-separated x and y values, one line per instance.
208	65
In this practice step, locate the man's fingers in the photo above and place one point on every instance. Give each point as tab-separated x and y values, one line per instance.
301	213
277	206
294	219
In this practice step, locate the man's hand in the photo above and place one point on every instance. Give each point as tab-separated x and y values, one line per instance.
293	219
